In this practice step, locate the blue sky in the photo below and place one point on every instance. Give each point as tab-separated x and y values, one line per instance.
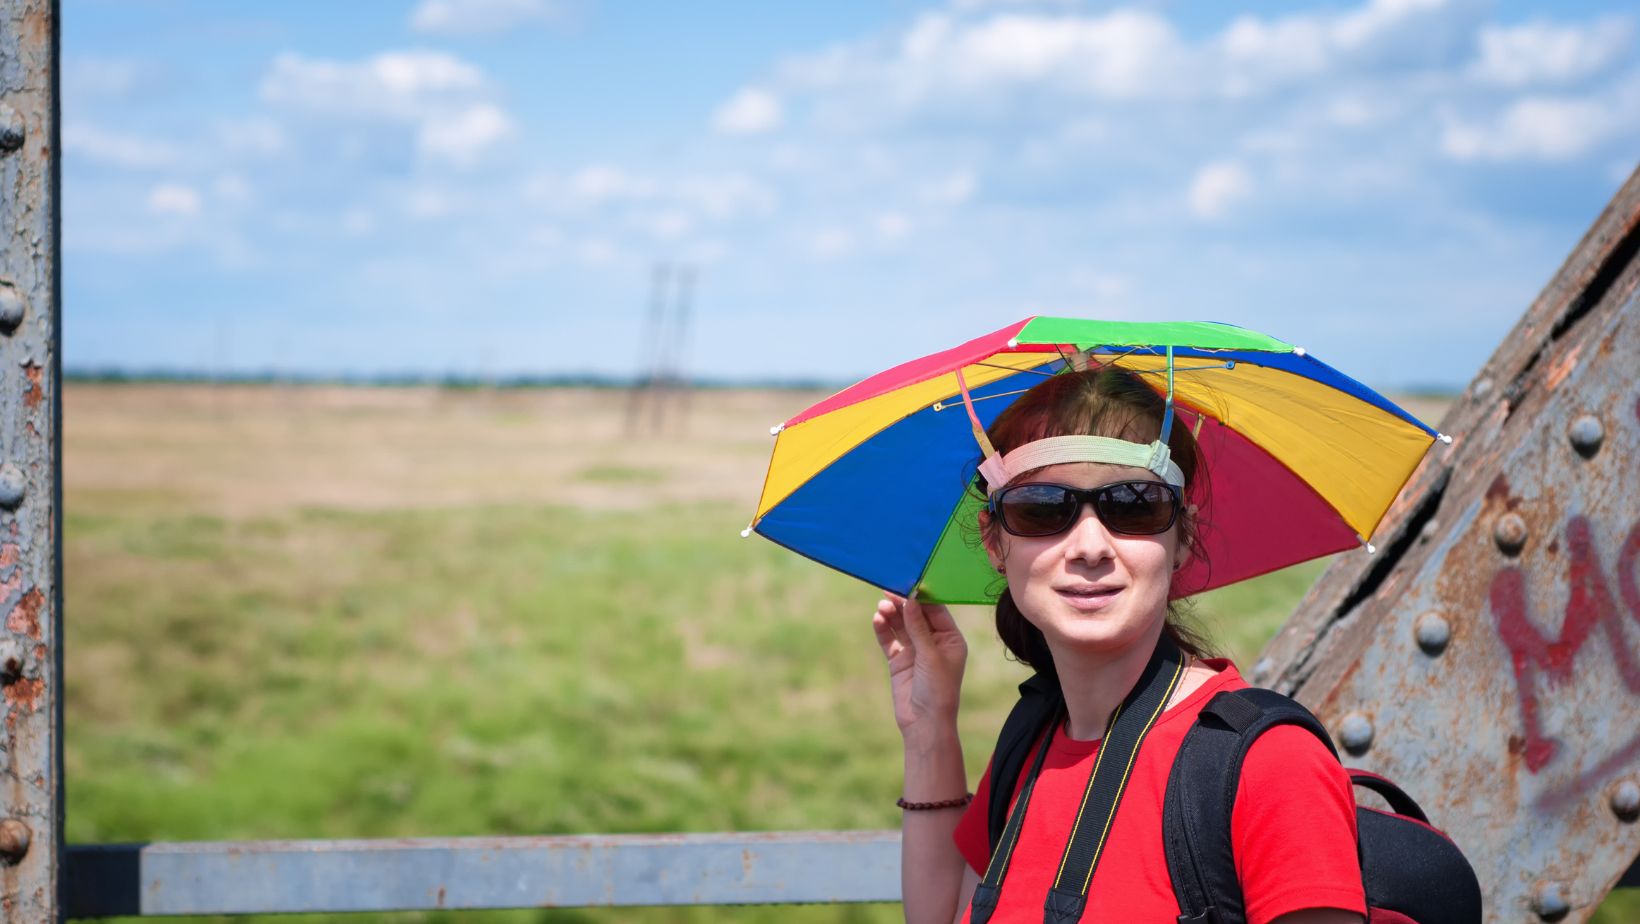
484	186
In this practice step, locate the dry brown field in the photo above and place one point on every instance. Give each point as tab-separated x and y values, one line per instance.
247	450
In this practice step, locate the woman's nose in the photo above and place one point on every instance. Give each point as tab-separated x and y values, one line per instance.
1087	539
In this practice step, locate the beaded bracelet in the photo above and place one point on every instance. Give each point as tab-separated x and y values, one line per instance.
927	806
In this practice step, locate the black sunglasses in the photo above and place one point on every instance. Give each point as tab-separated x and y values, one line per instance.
1133	508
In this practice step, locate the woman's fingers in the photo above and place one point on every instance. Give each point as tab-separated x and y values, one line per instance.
889	624
939	617
916	620
885	635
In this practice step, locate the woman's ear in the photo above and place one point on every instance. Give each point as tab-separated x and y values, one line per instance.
992	542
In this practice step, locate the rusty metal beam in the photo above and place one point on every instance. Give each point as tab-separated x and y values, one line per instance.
483	872
31	808
1488	656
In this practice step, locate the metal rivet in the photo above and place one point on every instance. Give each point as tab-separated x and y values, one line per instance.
14	840
1427	532
1548	902
1510	533
1625	799
1432	632
12	486
1586	435
1355	733
11	307
11	129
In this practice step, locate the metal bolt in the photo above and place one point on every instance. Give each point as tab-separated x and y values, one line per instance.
1586	435
13	659
12	486
14	839
1427	532
11	129
1510	533
1355	733
1432	632
1625	799
1548	902
11	307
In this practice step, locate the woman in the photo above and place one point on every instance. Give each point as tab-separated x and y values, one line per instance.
1088	603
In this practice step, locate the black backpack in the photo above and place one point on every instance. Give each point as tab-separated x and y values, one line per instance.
1412	873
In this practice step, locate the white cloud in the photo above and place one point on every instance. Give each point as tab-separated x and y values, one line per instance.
954	188
597	252
358	222
1379	19
425	202
1123	54
479	17
232	188
87	78
1534	129
602	182
1542	52
440	95
830	243
891	226
750	112
959	60
403	85
461	137
668	225
259	137
174	199
1217	188
724	195
117	149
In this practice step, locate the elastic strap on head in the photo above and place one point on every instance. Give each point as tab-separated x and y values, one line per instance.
1058	450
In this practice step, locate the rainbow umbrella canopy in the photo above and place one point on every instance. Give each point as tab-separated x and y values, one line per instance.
1301	461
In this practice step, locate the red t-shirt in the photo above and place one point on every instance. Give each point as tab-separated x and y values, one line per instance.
1292	831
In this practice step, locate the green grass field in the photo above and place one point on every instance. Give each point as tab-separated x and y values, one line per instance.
308	670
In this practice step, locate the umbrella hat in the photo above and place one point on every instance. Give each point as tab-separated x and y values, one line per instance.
876	480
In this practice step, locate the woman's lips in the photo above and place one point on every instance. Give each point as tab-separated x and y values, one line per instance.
1088	599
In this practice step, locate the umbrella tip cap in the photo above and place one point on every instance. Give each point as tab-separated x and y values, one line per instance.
775	430
1444	438
1013	342
745	532
1299	351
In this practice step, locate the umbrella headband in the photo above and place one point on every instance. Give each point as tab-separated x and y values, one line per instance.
999	469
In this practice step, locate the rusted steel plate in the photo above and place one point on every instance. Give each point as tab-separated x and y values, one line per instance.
1488	657
484	872
30	521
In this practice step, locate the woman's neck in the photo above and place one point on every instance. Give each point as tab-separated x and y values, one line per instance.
1096	682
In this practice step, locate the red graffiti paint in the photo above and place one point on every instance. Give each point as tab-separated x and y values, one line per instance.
1589	605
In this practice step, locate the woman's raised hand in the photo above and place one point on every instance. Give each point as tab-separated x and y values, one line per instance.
926	654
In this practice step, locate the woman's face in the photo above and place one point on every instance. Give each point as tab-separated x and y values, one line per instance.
1087	587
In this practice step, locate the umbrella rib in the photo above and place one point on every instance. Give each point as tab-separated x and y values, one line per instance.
1228	364
942	406
1048	375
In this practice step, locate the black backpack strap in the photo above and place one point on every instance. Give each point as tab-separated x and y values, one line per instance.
1397	799
1201	796
1125	733
1039	701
